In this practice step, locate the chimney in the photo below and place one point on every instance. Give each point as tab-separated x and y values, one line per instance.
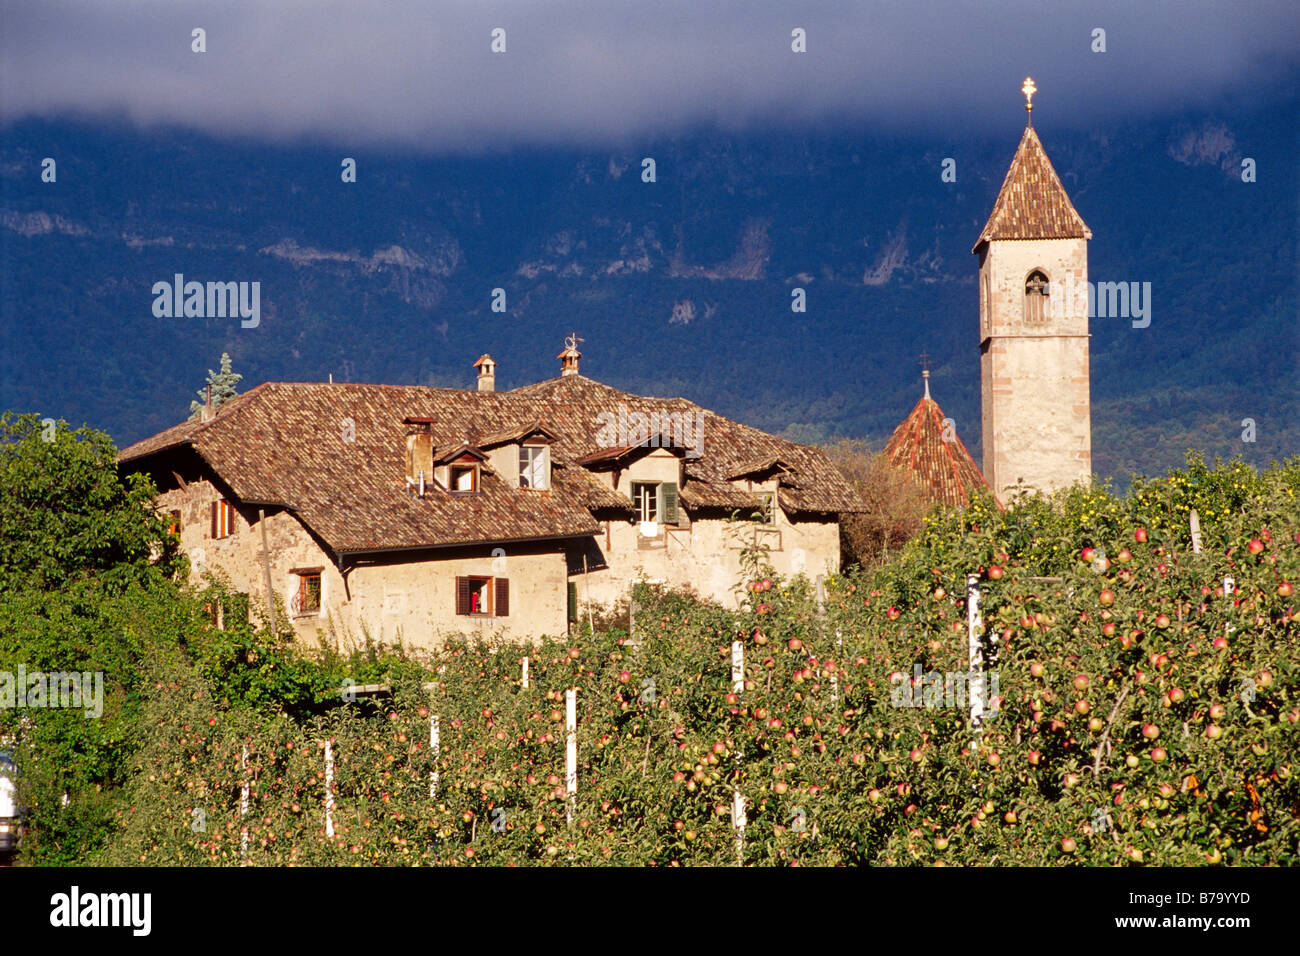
487	373
206	414
569	357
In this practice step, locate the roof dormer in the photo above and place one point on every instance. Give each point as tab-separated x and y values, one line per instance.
522	454
459	469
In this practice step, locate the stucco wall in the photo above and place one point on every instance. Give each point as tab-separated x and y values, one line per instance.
703	554
411	598
1034	379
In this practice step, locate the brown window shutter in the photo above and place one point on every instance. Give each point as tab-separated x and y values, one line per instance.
214	519
503	597
462	595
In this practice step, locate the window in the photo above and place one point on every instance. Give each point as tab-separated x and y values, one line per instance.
174	522
1036	290
533	467
766	513
655	501
308	598
645	499
223	519
483	597
464	479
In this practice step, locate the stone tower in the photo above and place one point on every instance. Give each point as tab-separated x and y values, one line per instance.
1034	328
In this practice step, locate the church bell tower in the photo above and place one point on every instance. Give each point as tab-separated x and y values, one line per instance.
1033	278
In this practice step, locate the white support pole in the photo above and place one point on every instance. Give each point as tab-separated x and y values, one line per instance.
571	747
329	788
525	673
739	820
835	680
435	748
737	798
244	795
1194	521
975	650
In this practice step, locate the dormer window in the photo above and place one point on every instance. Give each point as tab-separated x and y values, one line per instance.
464	479
1036	290
534	467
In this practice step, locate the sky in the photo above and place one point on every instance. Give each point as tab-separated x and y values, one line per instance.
422	74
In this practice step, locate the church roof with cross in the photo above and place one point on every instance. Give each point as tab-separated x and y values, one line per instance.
1032	203
927	449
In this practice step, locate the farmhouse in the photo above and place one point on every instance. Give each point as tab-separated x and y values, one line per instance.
413	513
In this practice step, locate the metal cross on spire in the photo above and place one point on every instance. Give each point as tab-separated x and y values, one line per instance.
925	371
1029	90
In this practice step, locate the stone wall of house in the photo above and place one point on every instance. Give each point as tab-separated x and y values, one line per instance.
415	599
410	600
410	597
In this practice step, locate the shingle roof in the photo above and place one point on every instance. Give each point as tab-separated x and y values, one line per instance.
725	446
1032	203
944	469
284	443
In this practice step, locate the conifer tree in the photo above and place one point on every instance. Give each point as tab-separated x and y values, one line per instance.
223	387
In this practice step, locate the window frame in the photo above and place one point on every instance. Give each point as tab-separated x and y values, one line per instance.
461	467
640	498
223	519
298	603
496	592
1040	310
540	457
766	516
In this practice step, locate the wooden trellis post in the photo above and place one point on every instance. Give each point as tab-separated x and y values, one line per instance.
329	788
571	748
244	795
738	818
975	652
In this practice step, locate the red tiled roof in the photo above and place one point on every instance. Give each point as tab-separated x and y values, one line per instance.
286	443
944	469
1032	203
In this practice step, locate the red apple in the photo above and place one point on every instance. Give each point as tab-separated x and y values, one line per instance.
893	613
1106	597
794	644
1081	682
1140	535
1285	590
995	573
1150	731
1255	546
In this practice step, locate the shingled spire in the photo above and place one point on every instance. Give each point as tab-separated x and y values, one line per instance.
1032	204
944	469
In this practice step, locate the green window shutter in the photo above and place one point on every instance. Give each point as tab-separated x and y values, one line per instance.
573	602
668	502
